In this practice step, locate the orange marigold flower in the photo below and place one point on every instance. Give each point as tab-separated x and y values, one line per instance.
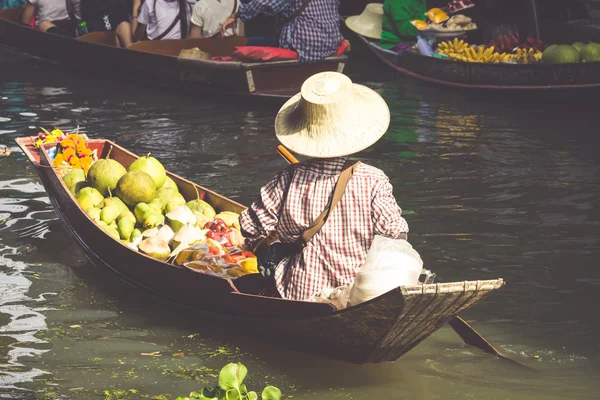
67	143
58	160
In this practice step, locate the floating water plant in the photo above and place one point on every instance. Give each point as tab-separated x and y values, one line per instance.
231	387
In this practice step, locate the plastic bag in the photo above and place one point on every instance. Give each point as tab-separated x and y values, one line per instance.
390	263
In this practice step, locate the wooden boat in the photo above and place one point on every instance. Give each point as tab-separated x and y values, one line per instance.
158	62
379	330
539	78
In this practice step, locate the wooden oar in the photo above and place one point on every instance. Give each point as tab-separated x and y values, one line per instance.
460	326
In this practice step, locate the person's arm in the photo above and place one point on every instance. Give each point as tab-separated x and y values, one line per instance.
197	20
387	215
135	10
262	217
140	32
28	13
248	11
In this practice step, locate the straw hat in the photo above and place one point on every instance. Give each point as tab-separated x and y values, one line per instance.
332	117
369	22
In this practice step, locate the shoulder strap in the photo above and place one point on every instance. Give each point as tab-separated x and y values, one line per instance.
338	192
300	10
172	26
169	29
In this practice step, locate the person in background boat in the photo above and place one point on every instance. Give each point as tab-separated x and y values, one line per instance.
329	120
208	17
52	16
398	33
164	19
6	4
310	27
109	15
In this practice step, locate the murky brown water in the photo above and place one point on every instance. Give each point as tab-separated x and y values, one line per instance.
490	189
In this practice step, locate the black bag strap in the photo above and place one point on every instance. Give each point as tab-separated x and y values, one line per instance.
169	29
182	16
278	20
338	192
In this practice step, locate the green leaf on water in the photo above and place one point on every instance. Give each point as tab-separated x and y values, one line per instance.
252	396
231	376
271	393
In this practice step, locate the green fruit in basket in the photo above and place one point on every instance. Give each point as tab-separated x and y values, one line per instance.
112	231
169	184
590	53
578	46
104	175
154	220
77	187
141	212
117	202
94	214
135	187
74	176
173	204
561	54
202	207
110	213
88	198
126	224
136	233
152	167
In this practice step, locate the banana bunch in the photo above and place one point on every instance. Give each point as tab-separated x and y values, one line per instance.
461	51
528	56
449	47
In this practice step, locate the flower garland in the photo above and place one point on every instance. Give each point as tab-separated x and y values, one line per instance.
49	137
73	152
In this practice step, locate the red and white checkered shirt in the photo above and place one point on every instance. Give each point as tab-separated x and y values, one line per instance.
335	254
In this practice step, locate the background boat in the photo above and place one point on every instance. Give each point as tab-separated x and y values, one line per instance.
527	78
158	62
382	329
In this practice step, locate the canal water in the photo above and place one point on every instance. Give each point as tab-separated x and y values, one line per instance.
490	187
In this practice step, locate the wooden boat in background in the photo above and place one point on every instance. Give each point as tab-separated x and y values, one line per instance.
382	329
158	62
533	78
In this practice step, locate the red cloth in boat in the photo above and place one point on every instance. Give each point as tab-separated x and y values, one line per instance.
264	53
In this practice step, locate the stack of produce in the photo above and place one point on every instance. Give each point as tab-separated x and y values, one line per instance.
459	50
438	21
565	54
143	208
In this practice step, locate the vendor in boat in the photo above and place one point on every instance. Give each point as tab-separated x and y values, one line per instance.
398	33
310	27
329	120
164	19
52	16
208	17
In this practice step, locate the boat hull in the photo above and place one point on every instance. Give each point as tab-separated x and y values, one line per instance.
379	330
158	63
534	78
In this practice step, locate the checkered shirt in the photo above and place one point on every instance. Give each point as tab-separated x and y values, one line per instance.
335	254
314	34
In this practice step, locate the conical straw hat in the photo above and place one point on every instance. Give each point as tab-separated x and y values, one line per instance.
369	22
332	117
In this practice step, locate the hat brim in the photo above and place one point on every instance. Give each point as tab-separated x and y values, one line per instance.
364	122
354	25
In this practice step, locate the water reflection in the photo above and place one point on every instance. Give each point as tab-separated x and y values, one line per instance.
489	190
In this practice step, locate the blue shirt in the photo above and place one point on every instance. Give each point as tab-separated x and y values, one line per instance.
314	34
